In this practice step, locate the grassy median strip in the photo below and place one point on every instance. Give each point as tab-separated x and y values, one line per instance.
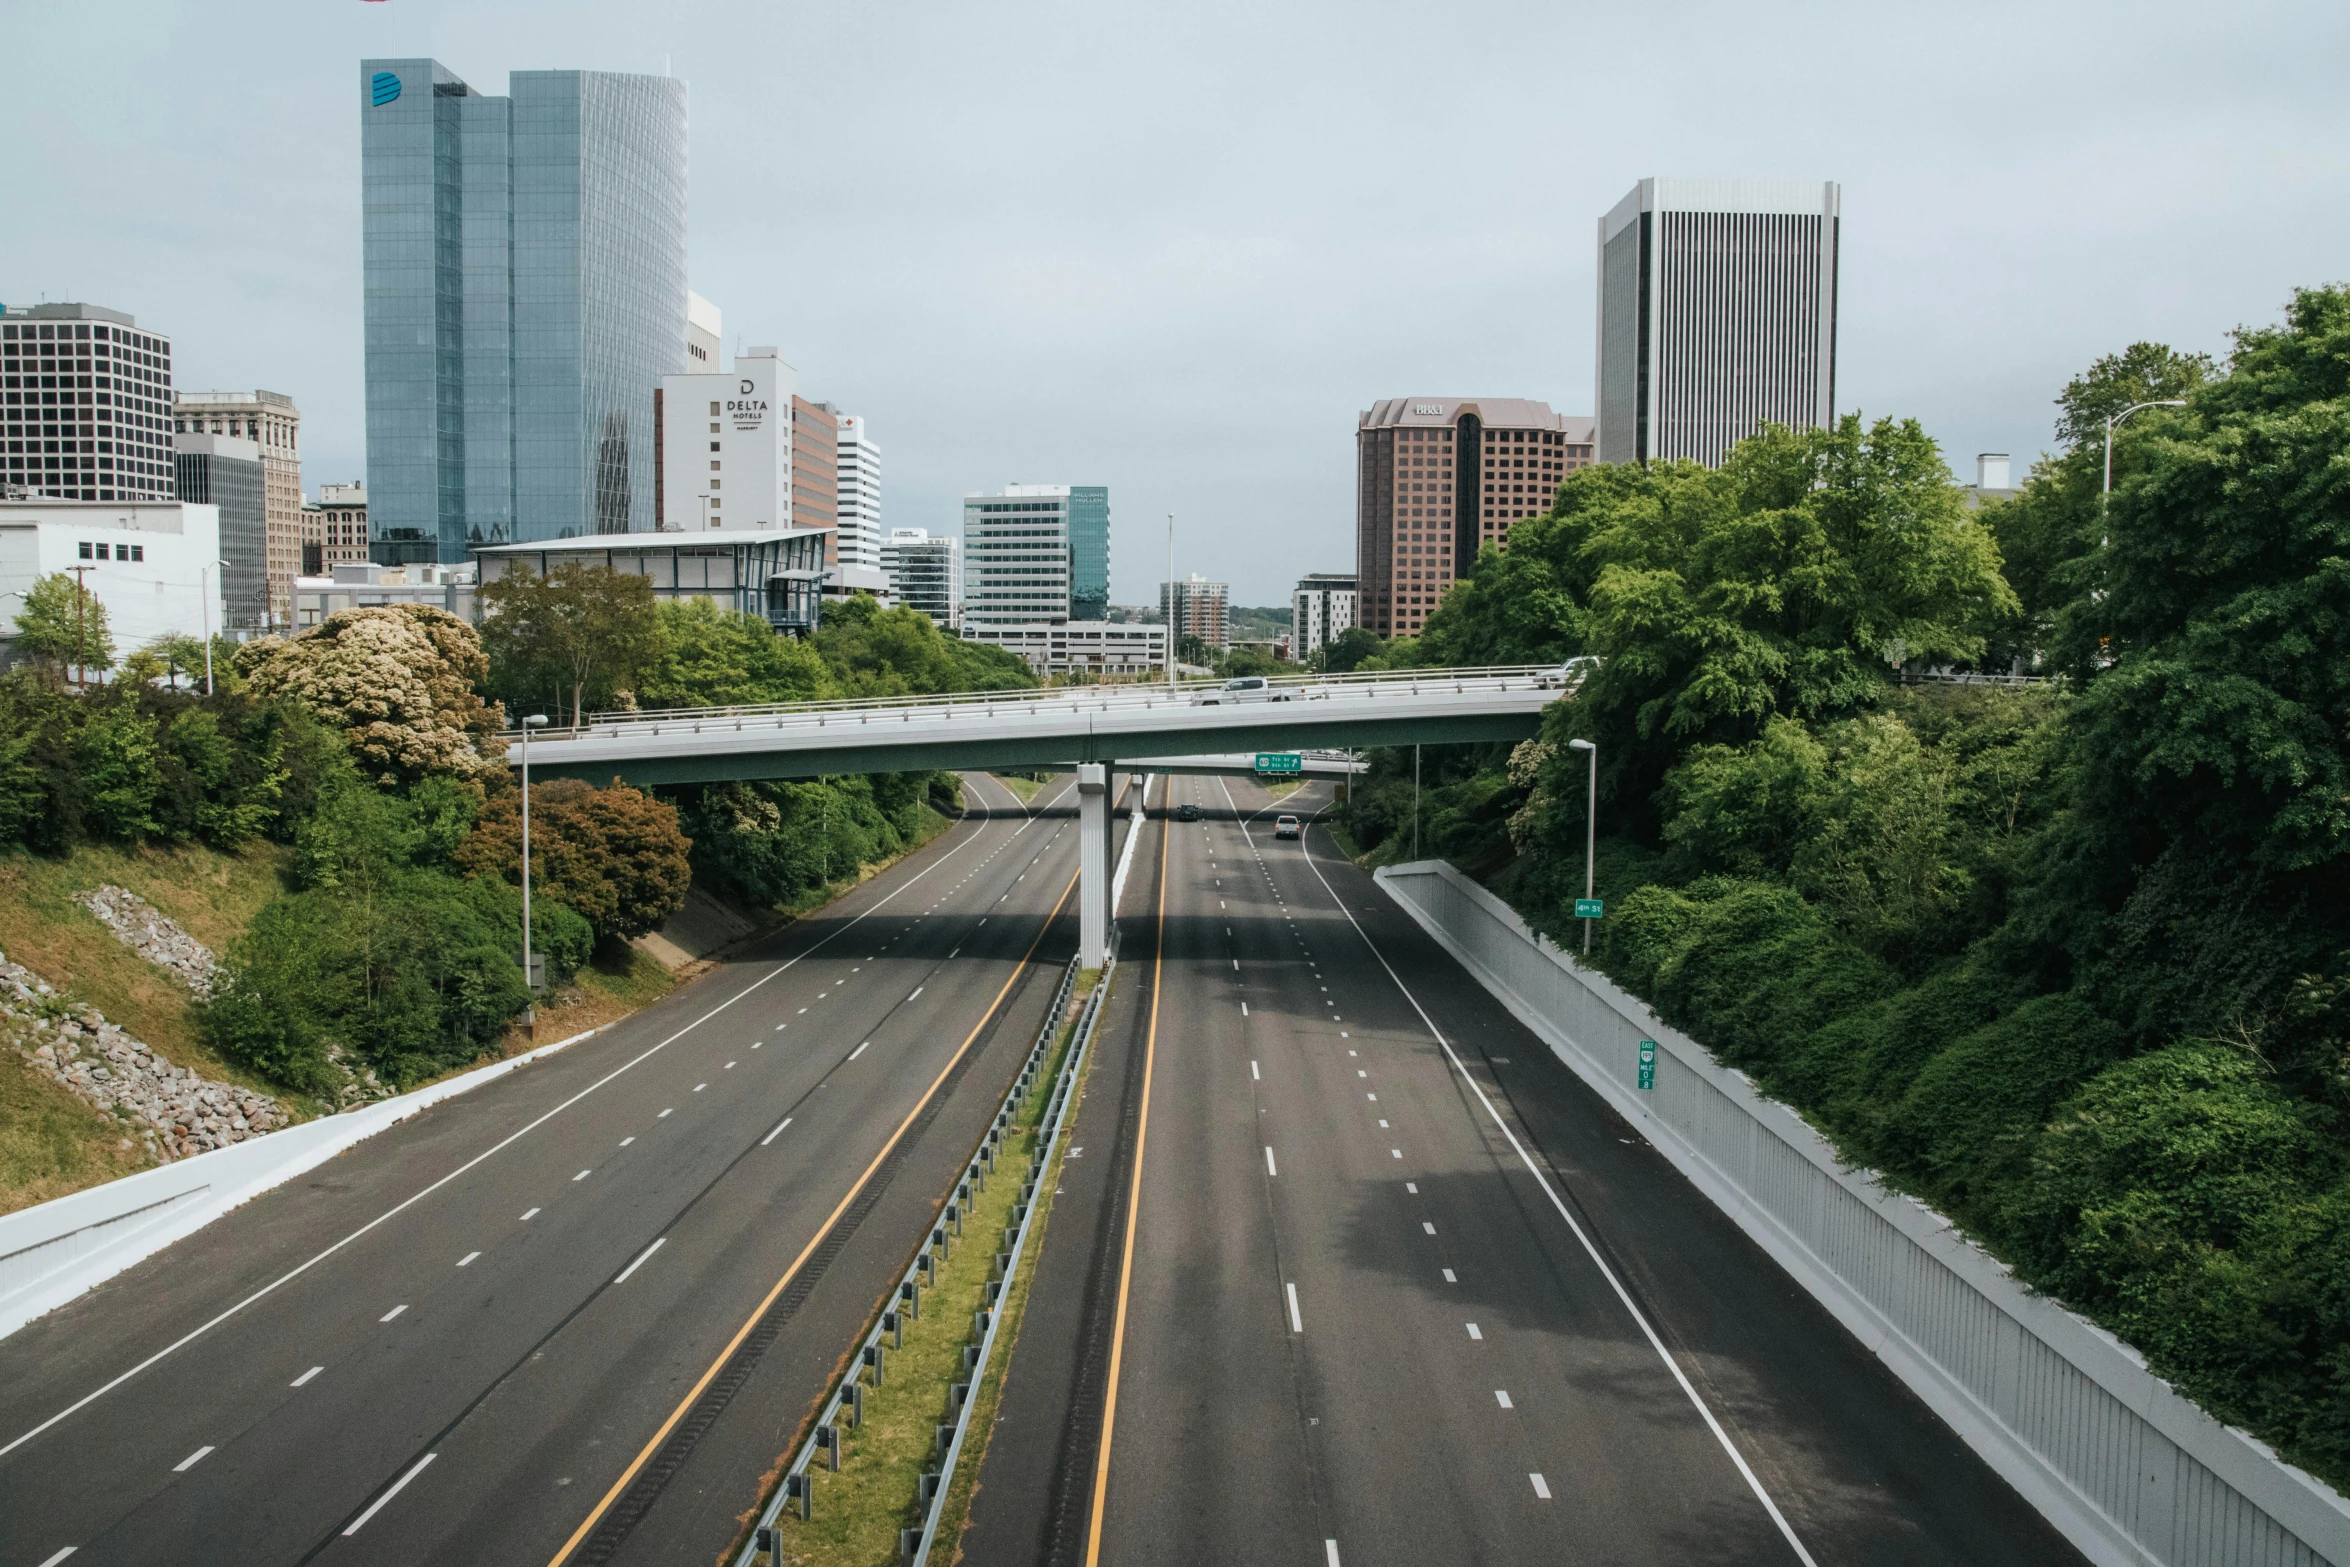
855	1515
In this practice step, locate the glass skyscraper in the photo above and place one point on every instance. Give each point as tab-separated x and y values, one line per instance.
1089	552
525	293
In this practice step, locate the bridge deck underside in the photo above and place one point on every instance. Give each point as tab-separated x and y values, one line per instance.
729	756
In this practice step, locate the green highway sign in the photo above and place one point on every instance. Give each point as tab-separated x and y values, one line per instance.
1648	1063
1590	908
1280	762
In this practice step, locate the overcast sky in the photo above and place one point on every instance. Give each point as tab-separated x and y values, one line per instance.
1176	250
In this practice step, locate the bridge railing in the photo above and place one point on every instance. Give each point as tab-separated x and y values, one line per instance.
1106	698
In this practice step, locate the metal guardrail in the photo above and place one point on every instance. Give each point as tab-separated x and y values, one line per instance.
824	1439
1083	699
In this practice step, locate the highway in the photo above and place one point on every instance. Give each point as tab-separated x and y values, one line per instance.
1351	1270
577	1313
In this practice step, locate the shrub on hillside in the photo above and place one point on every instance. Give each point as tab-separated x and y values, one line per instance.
614	855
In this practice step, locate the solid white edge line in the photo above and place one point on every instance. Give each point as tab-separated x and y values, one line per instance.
640	1259
398	1486
778	1132
1753	1481
408	1202
1297	1323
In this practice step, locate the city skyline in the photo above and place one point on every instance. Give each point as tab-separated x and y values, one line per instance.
1982	271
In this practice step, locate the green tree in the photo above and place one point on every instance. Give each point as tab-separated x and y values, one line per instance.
2140	373
115	762
64	625
1344	653
710	657
1790	582
897	652
588	632
2222	710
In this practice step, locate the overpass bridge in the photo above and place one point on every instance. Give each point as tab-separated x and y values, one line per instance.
1099	729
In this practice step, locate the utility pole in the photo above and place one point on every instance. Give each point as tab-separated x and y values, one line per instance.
81	646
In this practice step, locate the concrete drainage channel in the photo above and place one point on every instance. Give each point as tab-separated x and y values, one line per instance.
844	1411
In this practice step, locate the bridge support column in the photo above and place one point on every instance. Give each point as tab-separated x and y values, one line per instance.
1093	864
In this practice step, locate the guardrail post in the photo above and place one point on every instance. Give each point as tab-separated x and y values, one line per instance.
798	1488
765	1543
873	1358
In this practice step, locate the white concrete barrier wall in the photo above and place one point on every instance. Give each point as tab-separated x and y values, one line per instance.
2128	1469
55	1250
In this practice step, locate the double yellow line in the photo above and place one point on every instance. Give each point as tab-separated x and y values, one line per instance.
650	1448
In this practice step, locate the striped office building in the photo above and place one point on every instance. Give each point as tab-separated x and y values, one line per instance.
1717	312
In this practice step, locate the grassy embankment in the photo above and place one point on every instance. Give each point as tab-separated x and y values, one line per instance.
857	1513
1027	789
52	1143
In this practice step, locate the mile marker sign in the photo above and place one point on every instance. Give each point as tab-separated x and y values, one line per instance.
1590	908
1280	762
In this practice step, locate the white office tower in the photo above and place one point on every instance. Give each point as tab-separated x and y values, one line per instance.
1321	610
704	333
924	572
1717	312
722	447
860	496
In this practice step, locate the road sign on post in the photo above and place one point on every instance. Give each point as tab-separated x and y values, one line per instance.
1280	762
1648	1063
1590	908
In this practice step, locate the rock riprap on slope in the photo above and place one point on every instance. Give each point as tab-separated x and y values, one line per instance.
153	935
171	1110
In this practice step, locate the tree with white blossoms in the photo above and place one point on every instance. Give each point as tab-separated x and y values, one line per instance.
400	680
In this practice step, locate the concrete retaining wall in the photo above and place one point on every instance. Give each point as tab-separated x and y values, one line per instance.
2129	1470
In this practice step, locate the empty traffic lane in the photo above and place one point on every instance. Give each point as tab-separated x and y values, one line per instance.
1397	1302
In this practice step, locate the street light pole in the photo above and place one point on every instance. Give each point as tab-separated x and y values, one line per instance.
1590	834
204	590
530	1017
2113	419
1415	802
1170	605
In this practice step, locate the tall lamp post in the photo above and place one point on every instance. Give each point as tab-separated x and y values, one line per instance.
2113	419
1590	834
1171	684
530	966
204	591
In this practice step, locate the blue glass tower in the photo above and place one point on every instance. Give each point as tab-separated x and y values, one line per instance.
525	293
1089	552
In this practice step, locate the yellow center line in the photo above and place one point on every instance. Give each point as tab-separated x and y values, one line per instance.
1150	1048
752	1321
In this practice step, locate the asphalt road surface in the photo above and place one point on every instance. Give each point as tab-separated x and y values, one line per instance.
578	1313
1393	1287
